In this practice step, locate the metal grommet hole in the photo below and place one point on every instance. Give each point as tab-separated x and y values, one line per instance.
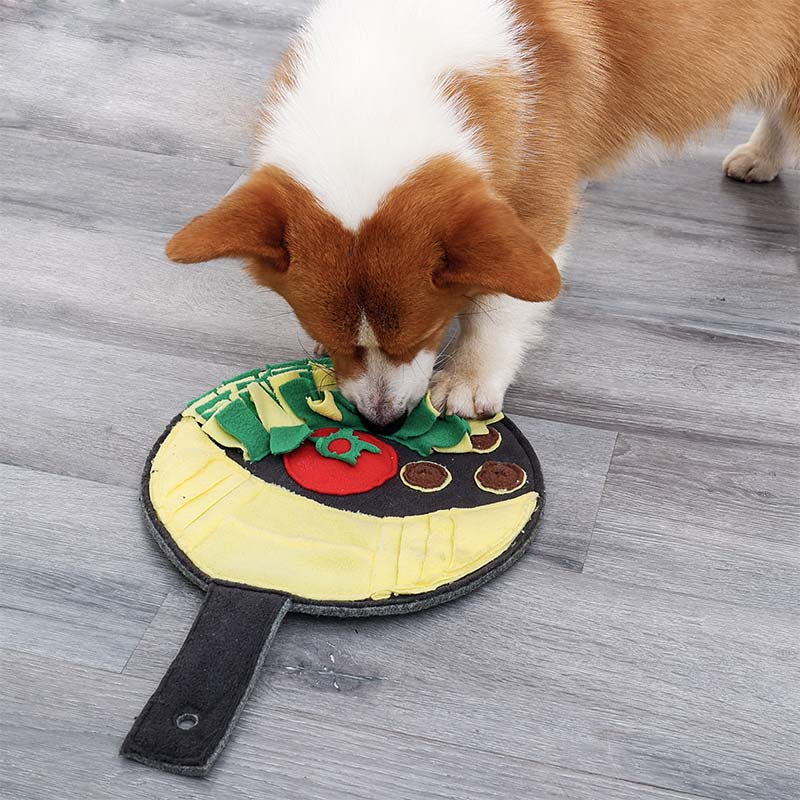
186	721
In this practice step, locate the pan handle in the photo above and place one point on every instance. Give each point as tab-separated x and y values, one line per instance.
188	720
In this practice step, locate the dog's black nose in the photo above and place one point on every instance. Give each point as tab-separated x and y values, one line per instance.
385	428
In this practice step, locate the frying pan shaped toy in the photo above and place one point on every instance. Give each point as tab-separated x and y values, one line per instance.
271	495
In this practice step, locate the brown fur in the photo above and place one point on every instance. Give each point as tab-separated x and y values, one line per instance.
412	266
607	75
612	73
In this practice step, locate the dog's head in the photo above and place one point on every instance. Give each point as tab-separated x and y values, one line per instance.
380	297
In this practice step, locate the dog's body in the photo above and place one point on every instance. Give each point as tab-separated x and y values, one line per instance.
421	160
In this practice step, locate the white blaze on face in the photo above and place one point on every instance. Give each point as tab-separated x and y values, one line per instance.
385	391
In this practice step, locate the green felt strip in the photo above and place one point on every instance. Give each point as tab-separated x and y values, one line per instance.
204	408
240	421
447	432
248	401
285	439
419	421
357	446
295	393
206	401
422	431
350	417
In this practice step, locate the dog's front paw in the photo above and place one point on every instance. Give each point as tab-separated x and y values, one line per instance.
319	350
750	164
467	393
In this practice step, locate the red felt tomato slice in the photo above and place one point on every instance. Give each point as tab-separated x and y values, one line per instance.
317	473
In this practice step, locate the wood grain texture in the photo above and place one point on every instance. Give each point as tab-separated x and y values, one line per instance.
575	462
108	404
104	225
709	520
75	725
81	580
94	187
647	375
679	310
663	405
165	77
563	669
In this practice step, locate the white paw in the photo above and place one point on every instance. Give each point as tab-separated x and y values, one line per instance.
319	350
464	392
750	164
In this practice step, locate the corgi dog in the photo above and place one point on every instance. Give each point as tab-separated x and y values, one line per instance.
419	161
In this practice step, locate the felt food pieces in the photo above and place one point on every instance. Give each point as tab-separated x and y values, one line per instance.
274	410
271	495
486	442
341	462
320	528
273	471
425	476
500	477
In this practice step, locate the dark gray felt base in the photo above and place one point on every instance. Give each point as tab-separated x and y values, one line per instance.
219	661
209	681
398	604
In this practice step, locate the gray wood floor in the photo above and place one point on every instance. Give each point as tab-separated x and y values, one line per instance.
646	649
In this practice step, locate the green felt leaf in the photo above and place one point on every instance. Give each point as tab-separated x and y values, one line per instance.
286	439
447	432
422	431
295	393
213	399
350	417
419	421
240	421
357	446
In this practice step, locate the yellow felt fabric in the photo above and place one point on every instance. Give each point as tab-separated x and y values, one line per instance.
464	446
480	427
271	414
323	377
192	411
326	406
213	429
276	382
234	526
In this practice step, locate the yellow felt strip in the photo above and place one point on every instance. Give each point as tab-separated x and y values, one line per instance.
276	382
323	376
464	446
326	407
447	481
480	427
234	526
191	412
477	427
431	407
213	429
271	414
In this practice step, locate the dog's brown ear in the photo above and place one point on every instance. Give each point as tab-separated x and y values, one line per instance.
248	223
490	251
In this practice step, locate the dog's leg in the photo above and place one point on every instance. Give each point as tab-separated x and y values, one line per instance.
496	330
767	152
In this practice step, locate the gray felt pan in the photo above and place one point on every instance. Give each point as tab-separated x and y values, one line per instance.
188	720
